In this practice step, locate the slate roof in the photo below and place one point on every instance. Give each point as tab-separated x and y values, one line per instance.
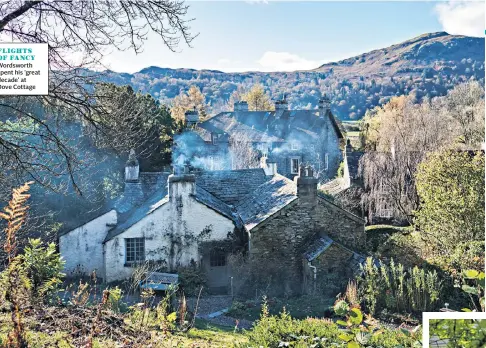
317	248
321	244
267	126
231	186
154	202
266	200
158	199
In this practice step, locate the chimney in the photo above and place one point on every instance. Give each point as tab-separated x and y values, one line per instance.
269	166
133	193
240	106
181	186
324	106
191	117
306	185
280	107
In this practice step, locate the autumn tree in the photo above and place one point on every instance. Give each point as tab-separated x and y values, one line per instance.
192	100
80	34
258	100
450	186
398	135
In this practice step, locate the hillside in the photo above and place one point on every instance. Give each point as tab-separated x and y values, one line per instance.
428	65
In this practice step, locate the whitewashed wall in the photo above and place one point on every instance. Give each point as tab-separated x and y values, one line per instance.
82	248
183	219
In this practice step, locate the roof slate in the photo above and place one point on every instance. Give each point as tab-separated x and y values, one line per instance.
267	126
266	200
231	186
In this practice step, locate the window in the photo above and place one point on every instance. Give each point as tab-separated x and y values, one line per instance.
384	209
384	188
294	145
217	258
135	250
326	161
294	165
214	138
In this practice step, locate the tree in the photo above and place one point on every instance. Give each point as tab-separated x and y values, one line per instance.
258	100
450	185
79	34
398	136
193	100
139	120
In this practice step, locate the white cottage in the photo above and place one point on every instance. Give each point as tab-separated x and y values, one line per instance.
167	229
200	218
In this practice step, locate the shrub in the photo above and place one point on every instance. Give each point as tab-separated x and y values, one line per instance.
283	331
341	308
44	268
192	278
394	288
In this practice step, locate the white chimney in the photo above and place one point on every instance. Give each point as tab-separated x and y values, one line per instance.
181	186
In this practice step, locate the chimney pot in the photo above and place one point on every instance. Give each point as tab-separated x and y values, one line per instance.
306	185
132	169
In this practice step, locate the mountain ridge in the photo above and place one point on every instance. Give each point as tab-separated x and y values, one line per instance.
427	65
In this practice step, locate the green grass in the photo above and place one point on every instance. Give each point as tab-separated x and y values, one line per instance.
299	308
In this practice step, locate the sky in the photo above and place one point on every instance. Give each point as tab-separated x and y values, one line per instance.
237	36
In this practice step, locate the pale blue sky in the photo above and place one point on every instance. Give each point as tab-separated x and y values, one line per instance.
275	36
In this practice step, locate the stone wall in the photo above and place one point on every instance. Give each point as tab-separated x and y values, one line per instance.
280	241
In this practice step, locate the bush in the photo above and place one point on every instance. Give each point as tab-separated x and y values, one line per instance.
283	330
44	268
192	278
396	289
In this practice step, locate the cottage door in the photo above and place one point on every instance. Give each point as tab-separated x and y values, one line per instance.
218	271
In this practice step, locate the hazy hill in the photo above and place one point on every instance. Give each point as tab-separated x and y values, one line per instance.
427	65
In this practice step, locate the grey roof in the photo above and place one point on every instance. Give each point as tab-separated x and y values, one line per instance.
266	200
317	248
154	202
267	126
321	244
157	200
231	186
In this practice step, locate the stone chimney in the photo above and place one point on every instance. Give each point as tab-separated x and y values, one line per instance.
240	106
306	185
280	107
181	186
324	106
191	117
132	193
269	166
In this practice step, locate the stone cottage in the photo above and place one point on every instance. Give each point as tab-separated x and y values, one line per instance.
203	217
289	137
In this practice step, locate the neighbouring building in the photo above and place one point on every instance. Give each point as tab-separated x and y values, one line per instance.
201	218
290	137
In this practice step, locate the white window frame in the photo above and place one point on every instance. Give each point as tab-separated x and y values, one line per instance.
326	161
383	209
384	188
292	169
294	145
136	248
